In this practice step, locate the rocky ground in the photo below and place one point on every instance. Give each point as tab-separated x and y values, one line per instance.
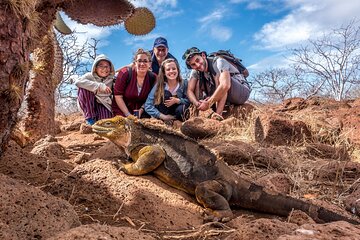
67	186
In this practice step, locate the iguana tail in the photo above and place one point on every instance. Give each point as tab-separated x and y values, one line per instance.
282	205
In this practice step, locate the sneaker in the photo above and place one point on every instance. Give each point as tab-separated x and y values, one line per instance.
90	121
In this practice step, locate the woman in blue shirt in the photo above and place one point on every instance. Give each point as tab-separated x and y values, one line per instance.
167	100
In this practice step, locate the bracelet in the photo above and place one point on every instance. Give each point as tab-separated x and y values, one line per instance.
127	114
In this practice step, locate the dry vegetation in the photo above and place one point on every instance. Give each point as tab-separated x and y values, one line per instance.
81	169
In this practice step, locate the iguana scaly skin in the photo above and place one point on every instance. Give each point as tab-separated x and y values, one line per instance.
183	163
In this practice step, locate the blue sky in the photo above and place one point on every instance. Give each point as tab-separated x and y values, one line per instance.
258	31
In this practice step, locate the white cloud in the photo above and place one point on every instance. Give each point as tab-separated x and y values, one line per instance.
283	33
221	33
211	24
215	16
306	20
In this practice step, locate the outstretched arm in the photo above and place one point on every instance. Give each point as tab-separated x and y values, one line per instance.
121	104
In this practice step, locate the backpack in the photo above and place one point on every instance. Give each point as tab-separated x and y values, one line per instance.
129	69
228	56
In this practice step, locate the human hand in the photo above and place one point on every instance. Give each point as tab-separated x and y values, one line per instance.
172	101
108	90
104	90
204	105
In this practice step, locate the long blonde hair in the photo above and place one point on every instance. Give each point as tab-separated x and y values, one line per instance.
161	79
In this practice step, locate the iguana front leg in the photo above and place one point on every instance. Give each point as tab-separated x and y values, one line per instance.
146	159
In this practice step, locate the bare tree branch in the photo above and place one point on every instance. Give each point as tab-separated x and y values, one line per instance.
78	59
333	61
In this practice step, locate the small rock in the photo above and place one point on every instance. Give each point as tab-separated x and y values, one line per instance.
85	129
81	158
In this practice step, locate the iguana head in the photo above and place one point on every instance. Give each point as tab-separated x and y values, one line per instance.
116	129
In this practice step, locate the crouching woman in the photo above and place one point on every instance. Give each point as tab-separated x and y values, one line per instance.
167	100
94	94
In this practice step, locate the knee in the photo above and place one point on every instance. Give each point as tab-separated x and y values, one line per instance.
84	91
85	95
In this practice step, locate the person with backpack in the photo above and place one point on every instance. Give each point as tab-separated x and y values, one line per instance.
216	79
133	85
159	53
167	100
94	93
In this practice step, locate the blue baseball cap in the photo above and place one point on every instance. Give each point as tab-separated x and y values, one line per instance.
160	41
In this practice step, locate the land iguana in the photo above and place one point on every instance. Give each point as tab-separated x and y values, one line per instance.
183	163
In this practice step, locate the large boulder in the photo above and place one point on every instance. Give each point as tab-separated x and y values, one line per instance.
278	130
200	127
31	213
37	170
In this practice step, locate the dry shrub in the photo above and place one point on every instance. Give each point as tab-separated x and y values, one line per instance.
26	9
23	8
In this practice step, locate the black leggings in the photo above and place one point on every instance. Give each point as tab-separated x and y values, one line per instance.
179	111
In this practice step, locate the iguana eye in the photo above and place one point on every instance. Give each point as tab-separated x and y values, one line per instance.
107	124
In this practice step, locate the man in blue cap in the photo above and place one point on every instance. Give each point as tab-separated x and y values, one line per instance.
159	53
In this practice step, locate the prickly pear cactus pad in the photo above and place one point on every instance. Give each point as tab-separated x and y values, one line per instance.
99	12
141	22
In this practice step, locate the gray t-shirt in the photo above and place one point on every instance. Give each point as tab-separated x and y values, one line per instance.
219	65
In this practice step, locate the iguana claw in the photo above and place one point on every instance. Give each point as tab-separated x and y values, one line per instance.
121	166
